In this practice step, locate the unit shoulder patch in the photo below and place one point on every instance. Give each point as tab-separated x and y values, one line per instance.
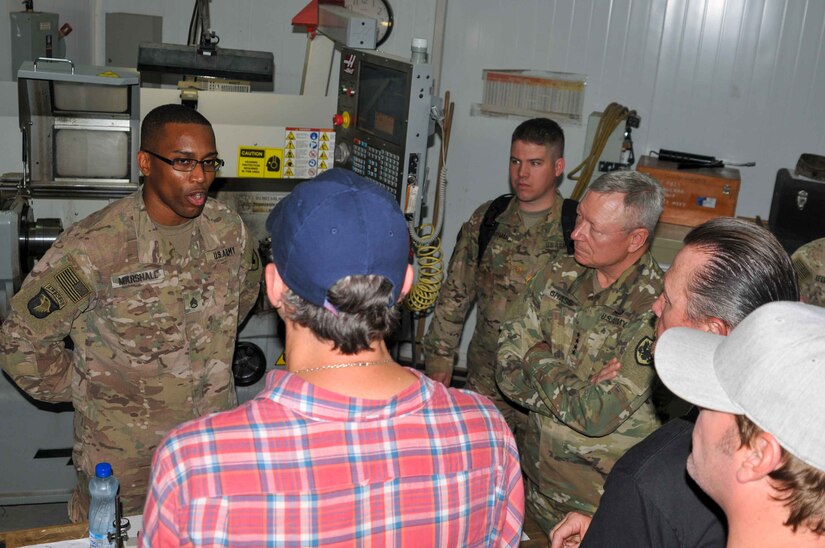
644	351
57	290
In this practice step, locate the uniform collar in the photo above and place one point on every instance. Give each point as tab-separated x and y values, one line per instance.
630	279
511	217
149	245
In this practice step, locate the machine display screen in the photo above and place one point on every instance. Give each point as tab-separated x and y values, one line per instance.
382	102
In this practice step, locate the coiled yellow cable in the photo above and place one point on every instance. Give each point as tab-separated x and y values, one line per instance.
423	295
612	116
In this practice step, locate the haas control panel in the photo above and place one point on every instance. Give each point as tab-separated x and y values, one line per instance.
382	122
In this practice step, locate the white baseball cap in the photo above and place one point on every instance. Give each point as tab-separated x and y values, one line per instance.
770	368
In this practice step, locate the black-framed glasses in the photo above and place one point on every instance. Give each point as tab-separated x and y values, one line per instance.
189	164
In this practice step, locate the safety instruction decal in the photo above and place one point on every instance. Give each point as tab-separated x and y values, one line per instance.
307	152
260	162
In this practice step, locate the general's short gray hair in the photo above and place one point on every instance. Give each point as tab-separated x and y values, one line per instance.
643	196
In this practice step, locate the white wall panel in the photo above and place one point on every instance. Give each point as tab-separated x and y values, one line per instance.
738	79
742	80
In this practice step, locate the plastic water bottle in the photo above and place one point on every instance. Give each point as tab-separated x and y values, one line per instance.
103	491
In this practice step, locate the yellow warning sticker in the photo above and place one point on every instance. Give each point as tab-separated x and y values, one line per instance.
281	359
260	162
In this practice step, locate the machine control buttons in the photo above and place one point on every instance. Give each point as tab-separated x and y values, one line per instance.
379	165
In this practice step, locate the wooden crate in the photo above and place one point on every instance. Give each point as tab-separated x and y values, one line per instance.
692	196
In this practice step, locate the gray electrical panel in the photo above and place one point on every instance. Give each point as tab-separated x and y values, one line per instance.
383	121
34	34
125	31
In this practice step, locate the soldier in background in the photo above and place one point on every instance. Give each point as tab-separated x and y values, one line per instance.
809	262
580	314
150	290
525	232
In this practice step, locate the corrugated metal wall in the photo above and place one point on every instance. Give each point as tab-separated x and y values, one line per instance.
738	79
741	80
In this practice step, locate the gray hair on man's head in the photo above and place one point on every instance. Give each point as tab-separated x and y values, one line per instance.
643	195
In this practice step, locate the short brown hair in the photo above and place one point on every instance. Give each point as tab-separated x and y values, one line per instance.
802	486
540	131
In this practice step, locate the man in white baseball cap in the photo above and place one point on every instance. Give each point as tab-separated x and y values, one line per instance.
759	441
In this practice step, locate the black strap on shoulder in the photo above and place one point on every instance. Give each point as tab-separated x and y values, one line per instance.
568	222
497	207
490	222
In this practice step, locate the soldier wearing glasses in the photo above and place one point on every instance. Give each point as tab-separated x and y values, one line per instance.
150	290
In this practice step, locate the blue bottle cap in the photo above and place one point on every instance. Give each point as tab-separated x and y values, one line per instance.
103	470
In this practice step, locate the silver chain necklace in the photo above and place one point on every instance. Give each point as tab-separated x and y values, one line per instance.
342	365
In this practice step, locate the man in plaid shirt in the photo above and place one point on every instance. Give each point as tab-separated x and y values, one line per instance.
345	447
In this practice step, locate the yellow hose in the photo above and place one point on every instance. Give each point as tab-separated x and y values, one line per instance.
424	293
612	116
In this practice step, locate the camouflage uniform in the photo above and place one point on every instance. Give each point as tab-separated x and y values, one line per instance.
576	431
511	259
809	262
153	333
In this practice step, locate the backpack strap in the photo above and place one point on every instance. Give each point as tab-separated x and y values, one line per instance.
568	222
490	222
497	207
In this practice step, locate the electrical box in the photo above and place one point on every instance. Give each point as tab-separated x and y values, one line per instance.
347	27
34	34
692	196
612	152
125	32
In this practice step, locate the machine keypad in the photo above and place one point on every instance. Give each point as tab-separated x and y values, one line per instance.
376	164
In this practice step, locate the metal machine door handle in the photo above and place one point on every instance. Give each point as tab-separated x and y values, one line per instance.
53	60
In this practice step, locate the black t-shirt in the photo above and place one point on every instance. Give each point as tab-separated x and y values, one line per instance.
649	499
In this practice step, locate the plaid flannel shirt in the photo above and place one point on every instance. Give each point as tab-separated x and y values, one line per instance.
302	466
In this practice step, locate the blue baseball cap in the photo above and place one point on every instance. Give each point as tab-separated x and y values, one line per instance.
336	225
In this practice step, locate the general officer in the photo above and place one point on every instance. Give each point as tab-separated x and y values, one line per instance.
150	290
580	314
